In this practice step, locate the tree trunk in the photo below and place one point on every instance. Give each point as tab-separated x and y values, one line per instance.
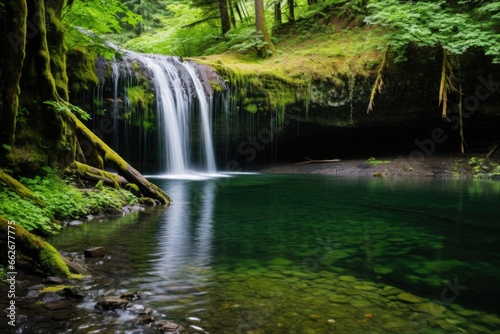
224	17
291	10
13	47
277	13
260	23
231	13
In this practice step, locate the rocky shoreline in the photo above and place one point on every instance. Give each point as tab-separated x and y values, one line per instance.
451	165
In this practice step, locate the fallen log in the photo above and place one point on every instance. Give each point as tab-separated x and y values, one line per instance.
44	255
95	174
311	161
147	188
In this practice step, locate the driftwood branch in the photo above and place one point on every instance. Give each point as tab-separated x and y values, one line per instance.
311	161
490	153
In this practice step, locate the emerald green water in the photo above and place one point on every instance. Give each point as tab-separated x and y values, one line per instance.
302	254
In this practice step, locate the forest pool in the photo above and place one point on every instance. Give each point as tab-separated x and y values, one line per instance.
300	254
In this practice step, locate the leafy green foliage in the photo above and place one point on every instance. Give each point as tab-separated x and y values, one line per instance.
63	201
174	38
437	24
483	168
60	107
103	17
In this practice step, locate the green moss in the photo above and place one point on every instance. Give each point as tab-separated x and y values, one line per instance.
217	87
55	288
133	188
82	74
140	96
43	254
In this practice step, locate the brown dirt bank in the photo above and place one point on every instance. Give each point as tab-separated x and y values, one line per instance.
436	165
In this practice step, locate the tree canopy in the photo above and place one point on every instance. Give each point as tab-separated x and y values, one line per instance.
457	27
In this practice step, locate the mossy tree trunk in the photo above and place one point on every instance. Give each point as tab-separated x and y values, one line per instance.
13	48
260	23
35	72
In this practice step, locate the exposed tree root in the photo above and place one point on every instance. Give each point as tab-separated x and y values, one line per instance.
95	174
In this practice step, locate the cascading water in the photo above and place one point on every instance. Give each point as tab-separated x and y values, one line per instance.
206	116
179	97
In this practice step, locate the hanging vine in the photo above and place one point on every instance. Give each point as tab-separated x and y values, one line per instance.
446	83
379	82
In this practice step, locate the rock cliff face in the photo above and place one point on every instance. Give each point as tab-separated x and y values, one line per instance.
260	120
332	120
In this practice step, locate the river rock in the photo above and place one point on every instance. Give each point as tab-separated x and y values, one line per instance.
358	303
49	297
58	305
145	319
431	308
73	293
409	298
53	280
75	223
490	320
279	262
365	287
168	327
94	252
467	313
111	303
348	278
339	299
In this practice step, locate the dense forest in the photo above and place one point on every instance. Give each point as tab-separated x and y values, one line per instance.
274	51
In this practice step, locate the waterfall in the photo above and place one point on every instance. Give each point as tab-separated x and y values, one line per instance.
206	116
181	101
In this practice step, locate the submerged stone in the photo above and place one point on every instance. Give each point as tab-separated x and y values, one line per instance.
94	252
364	287
348	278
339	299
272	274
491	320
409	298
467	313
279	262
111	303
431	308
168	327
360	303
